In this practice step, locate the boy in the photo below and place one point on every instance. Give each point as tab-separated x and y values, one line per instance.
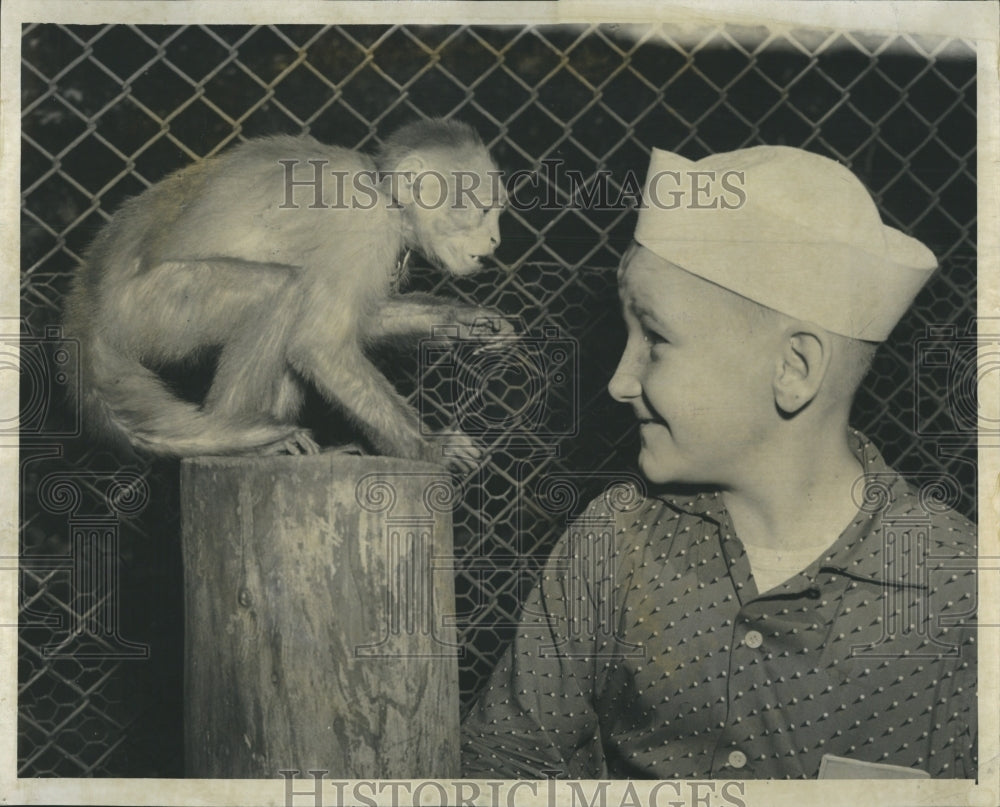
801	611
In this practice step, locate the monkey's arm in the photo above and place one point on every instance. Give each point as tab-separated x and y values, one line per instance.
417	314
347	378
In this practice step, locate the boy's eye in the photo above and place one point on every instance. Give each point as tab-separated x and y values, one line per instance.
654	338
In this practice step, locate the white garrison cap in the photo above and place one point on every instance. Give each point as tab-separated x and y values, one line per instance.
792	230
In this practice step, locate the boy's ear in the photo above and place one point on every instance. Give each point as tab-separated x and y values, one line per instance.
801	366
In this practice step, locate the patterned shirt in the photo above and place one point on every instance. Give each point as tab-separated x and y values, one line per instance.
646	649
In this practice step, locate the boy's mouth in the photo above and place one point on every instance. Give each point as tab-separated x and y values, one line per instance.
651	421
644	422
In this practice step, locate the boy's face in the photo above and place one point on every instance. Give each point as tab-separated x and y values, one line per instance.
697	370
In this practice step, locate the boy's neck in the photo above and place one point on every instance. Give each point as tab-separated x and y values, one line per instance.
800	496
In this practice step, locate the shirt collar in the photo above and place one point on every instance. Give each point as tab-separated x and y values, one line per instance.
887	507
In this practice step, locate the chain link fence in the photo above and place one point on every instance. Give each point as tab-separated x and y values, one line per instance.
108	110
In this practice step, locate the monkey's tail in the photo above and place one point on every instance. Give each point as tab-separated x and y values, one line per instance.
122	399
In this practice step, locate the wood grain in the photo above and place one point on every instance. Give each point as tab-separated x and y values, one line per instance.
314	621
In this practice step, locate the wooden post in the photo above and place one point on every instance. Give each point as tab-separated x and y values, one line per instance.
315	620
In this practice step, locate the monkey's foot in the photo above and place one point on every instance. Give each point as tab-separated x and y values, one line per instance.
298	443
457	451
353	449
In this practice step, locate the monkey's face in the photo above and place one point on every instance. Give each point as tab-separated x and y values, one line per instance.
454	213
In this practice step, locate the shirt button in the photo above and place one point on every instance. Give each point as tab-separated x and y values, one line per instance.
737	759
753	639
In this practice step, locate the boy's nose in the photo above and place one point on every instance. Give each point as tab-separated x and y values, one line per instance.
624	385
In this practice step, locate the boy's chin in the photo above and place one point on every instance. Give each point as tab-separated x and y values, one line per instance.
660	470
666	470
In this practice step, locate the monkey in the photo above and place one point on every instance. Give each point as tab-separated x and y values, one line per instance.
283	255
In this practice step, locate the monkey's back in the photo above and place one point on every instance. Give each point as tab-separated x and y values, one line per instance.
240	204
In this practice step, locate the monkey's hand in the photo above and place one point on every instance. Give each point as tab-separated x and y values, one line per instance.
456	450
483	324
299	442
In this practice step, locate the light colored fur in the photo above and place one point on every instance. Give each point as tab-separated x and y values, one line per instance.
207	259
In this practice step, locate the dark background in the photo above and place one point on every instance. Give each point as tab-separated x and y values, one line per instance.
108	110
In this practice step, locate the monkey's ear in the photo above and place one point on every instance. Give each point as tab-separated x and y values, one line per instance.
407	172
